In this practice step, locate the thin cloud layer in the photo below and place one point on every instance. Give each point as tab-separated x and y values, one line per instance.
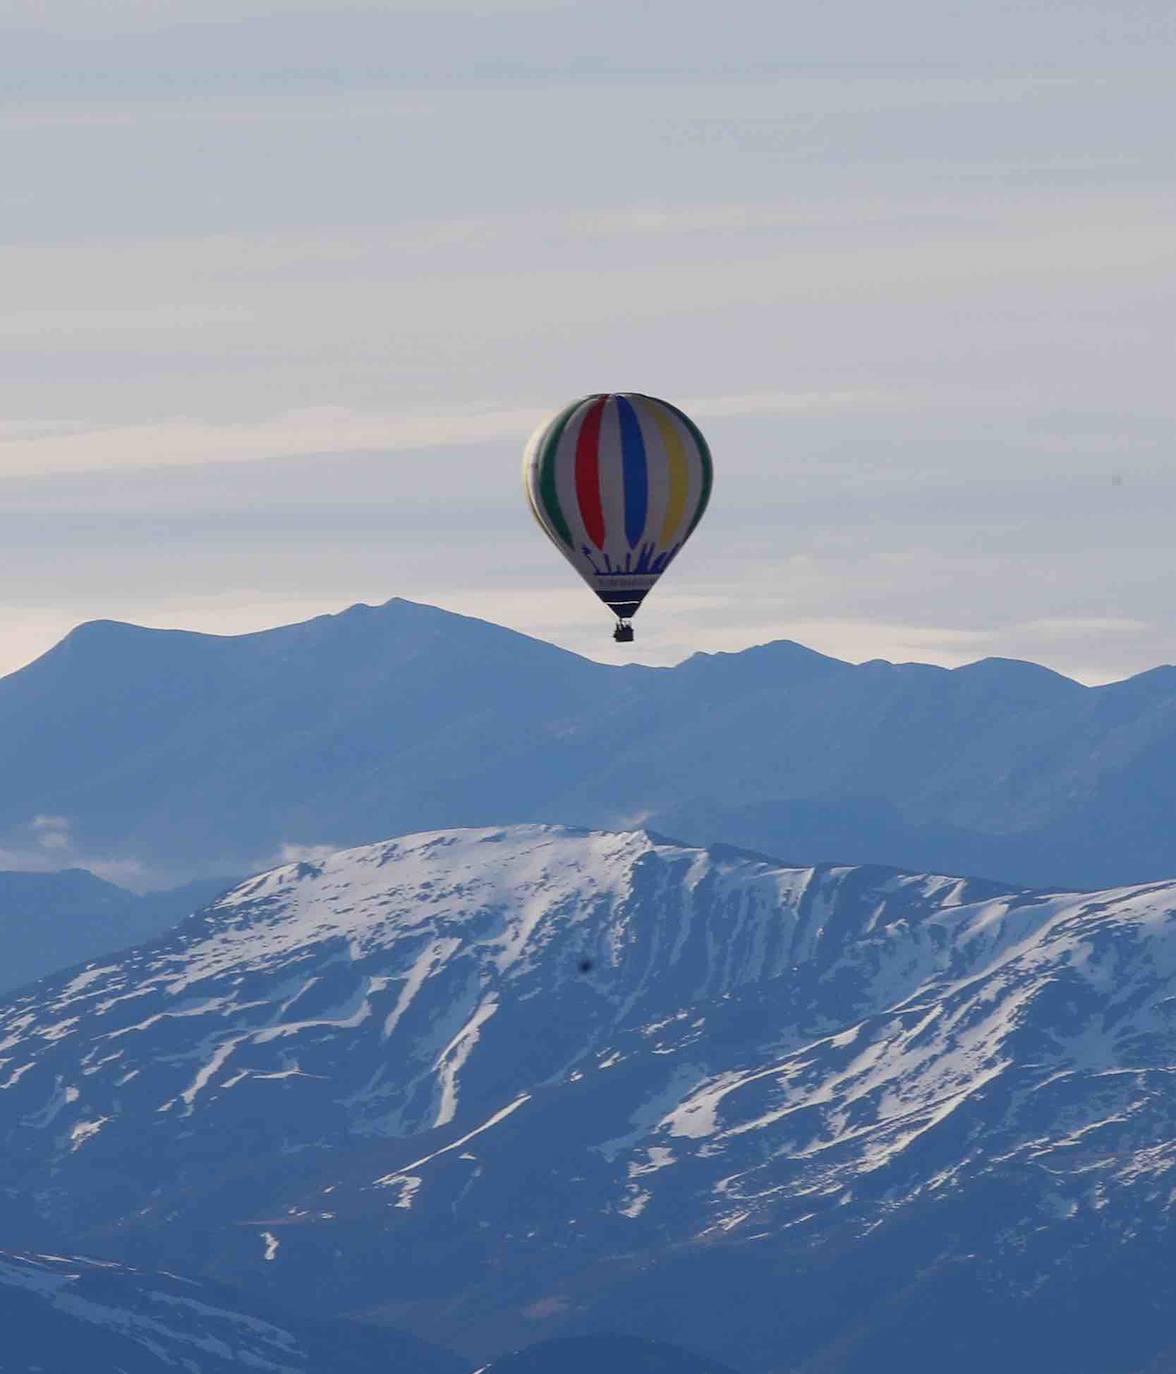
330	430
306	274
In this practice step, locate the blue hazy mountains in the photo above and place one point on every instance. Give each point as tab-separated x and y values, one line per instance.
195	754
504	1086
49	921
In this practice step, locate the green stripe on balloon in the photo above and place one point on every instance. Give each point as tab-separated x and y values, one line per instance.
548	492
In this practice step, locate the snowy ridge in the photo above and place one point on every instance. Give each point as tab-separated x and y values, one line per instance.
68	1313
419	940
593	1045
63	1314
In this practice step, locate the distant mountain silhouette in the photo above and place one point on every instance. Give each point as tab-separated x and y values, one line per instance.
49	921
196	753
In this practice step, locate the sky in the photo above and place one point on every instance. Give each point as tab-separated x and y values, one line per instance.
284	287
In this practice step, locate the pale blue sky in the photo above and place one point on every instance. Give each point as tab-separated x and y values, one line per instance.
285	286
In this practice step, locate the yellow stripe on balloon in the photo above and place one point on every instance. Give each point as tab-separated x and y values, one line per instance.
679	474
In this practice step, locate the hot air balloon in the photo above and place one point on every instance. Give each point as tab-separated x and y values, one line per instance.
618	482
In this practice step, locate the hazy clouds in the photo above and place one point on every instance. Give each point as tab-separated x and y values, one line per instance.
283	297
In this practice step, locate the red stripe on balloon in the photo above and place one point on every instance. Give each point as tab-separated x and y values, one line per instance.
588	473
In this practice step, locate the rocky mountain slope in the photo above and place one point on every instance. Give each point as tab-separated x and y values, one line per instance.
594	1354
60	1315
197	753
501	1085
49	921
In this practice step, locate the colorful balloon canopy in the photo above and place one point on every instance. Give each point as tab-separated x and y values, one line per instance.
618	482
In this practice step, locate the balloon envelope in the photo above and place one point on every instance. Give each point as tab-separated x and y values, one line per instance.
618	481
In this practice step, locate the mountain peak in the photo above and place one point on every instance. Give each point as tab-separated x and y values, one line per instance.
187	754
113	639
1018	673
611	1061
776	652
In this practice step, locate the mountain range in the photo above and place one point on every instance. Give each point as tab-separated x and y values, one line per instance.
191	754
49	921
503	1086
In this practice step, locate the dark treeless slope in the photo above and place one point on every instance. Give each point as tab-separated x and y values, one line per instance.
63	1315
197	753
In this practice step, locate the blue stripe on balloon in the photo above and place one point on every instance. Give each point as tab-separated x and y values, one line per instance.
636	472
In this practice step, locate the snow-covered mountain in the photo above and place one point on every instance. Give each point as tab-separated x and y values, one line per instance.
49	921
189	753
65	1315
500	1085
